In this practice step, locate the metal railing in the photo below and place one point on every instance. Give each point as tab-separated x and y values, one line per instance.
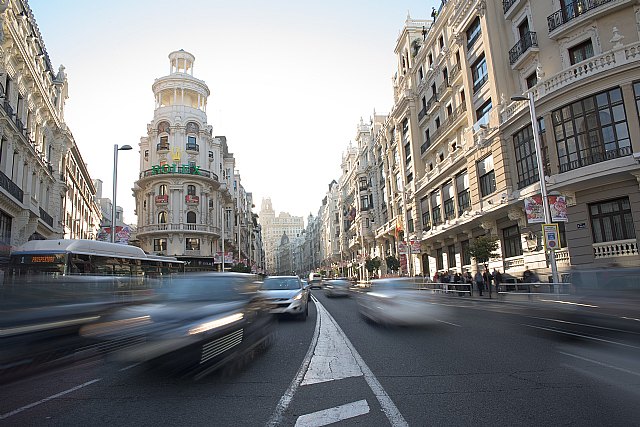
422	113
506	5
179	170
573	10
526	42
11	187
594	158
48	219
193	147
162	146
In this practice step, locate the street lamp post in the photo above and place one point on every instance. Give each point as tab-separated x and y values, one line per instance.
541	176
115	186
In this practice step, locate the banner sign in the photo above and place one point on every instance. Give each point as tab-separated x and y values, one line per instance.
558	207
533	209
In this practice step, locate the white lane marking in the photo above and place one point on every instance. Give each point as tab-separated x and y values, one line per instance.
581	336
600	363
631	318
46	399
448	323
332	358
126	368
333	415
285	400
388	407
569	303
585	324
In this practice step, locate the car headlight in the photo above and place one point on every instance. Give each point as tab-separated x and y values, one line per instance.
298	296
217	323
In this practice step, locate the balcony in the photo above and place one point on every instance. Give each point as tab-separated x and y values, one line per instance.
479	83
8	108
191	200
618	248
11	187
20	126
444	86
162	146
506	5
432	103
526	45
48	219
425	146
178	170
454	73
422	113
193	147
162	200
595	157
562	20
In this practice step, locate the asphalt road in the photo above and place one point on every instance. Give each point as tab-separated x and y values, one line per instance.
483	363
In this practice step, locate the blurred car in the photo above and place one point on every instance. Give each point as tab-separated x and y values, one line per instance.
397	301
202	322
287	295
41	316
337	287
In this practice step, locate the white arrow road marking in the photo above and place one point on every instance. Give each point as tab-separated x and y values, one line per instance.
324	363
333	415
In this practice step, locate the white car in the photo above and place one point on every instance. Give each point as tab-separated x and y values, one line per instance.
287	295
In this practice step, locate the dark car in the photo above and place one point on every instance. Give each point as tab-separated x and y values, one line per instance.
339	287
202	322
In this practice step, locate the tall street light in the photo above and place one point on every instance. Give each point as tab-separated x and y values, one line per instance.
115	186
543	183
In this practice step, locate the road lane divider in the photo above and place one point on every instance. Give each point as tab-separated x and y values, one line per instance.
46	399
596	362
573	334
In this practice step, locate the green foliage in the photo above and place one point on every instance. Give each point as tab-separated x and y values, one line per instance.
483	249
392	263
240	268
323	273
372	264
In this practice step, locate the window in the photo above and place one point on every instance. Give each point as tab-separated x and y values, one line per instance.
441	42
211	154
464	197
435	208
162	190
407	152
146	154
581	52
409	177
439	260
451	256
420	74
162	217
191	190
364	203
486	175
191	217
164	143
449	201
410	226
464	252
160	245
479	73
437	122
5	228
636	91
612	220
192	244
424	208
473	32
591	130
532	80
482	114
512	245
526	159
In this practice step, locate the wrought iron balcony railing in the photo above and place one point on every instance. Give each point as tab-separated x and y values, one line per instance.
595	157
528	40
11	187
573	10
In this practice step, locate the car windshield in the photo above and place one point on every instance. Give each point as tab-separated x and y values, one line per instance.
206	288
280	283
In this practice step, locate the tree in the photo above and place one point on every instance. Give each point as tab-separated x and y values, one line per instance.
240	268
483	249
392	263
372	264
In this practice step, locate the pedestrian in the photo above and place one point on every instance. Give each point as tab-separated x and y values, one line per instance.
479	282
527	275
436	277
497	279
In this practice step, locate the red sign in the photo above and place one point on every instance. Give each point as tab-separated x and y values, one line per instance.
162	199
191	199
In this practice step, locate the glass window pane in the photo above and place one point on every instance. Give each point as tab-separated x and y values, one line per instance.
622	131
618	113
616	95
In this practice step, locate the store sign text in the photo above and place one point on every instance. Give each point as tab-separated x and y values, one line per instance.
185	169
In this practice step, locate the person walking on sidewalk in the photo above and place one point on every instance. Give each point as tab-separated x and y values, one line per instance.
497	279
479	282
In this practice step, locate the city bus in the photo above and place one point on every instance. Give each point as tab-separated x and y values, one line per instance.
65	257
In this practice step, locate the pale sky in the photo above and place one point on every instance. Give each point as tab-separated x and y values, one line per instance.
289	81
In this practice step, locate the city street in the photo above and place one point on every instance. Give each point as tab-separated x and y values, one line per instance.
484	363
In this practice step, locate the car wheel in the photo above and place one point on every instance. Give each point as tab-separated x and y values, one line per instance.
305	313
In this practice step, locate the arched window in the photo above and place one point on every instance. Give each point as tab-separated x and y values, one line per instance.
162	217
191	217
162	190
192	130
191	190
163	136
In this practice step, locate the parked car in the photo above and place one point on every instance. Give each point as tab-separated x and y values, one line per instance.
203	322
337	288
287	295
398	301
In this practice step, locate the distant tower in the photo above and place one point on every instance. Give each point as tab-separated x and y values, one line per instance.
177	200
